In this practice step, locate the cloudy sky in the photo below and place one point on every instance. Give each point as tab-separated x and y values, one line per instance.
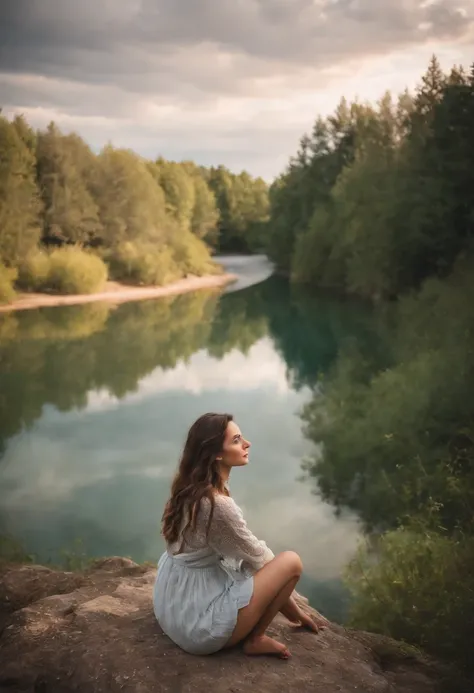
219	81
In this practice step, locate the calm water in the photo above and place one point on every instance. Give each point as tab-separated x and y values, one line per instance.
95	403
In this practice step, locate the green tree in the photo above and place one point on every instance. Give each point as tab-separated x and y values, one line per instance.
305	187
19	201
376	199
205	215
132	206
70	213
25	132
179	190
243	205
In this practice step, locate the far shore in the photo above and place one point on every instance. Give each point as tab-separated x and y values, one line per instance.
115	292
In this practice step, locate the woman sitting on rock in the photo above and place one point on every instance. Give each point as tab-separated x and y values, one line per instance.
218	585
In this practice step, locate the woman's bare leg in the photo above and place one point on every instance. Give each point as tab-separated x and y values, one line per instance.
257	642
273	585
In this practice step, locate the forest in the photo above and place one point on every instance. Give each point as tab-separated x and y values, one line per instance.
379	198
71	219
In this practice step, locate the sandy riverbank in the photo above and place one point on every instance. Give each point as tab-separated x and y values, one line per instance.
119	293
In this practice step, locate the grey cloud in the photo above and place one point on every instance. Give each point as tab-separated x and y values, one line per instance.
297	30
121	40
104	58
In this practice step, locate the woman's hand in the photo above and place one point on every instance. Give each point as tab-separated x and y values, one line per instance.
298	617
315	623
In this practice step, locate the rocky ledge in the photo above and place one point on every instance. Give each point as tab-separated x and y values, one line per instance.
95	632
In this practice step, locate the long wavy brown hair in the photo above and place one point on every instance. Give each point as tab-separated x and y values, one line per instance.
197	477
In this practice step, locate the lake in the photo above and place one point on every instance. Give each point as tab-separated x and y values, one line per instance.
95	403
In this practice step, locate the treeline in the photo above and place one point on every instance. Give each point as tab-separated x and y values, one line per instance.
70	218
378	198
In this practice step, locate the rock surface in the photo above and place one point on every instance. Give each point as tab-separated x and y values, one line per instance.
96	632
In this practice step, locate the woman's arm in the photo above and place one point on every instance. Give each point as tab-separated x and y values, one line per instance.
230	537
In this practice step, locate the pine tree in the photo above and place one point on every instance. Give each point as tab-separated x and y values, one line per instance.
429	93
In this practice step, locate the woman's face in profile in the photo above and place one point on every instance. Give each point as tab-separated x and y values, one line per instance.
235	452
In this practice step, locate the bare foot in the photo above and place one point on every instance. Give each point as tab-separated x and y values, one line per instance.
264	645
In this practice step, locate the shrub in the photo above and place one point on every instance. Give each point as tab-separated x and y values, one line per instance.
192	256
33	271
418	588
7	277
143	264
75	271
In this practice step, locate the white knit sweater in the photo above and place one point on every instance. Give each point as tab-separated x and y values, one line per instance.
228	536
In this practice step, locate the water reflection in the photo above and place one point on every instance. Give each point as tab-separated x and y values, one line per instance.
396	415
96	402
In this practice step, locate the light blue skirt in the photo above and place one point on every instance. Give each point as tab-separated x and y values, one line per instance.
196	599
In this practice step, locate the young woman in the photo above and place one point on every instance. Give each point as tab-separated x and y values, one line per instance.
217	584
